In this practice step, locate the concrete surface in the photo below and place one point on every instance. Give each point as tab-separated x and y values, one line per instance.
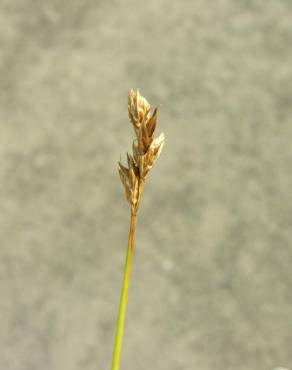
212	281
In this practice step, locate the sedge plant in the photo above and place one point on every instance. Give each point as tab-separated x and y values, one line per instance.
145	150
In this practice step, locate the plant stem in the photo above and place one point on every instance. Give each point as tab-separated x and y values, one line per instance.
124	296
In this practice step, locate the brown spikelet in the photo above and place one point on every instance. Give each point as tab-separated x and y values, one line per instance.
146	148
124	176
152	155
135	153
152	123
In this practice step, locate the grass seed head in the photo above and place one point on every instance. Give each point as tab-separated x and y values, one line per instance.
146	148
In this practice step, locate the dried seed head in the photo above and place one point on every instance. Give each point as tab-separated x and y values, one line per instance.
146	148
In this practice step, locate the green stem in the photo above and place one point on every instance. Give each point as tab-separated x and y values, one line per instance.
124	296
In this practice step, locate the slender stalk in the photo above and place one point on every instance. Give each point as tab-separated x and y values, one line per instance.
124	296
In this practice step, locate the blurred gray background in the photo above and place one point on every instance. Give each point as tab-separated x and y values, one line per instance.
212	281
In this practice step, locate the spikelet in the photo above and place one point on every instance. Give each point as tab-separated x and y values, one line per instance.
146	149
